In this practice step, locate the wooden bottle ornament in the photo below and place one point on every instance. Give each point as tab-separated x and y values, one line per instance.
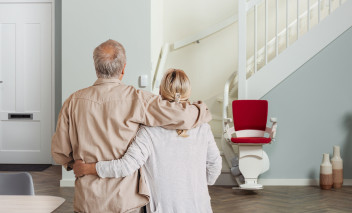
326	173
337	168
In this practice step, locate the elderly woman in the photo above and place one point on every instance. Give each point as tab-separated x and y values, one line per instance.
178	164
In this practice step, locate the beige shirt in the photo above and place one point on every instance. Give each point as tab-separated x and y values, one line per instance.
98	123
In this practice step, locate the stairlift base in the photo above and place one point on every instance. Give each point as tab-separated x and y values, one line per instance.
251	186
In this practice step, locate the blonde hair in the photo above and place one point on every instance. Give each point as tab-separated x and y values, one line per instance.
176	87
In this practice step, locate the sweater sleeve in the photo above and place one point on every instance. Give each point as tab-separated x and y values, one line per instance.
214	160
135	157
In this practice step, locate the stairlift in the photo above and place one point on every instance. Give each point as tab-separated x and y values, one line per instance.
248	133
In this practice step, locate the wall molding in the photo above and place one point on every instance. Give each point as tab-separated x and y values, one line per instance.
226	179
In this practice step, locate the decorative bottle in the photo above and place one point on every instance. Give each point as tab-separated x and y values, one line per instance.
326	173
337	168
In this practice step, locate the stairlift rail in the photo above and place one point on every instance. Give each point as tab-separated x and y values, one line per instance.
225	105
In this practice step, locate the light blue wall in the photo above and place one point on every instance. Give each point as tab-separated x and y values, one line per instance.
314	110
88	23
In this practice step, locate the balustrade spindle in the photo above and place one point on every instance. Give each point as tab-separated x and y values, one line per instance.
266	31
255	37
287	42
308	15
277	29
319	10
297	19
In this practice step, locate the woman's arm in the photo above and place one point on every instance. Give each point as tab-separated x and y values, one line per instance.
135	156
214	160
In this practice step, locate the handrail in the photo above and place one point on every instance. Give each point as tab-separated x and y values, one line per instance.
205	33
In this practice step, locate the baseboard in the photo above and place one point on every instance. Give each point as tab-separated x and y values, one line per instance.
226	179
67	182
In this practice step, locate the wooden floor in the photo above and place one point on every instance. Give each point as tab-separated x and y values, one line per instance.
227	200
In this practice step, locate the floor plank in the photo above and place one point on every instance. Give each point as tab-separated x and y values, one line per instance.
226	200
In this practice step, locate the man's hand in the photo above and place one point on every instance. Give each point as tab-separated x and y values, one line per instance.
80	168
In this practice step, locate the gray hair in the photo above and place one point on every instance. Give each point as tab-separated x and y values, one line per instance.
109	59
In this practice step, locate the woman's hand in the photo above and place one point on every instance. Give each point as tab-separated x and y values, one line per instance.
80	168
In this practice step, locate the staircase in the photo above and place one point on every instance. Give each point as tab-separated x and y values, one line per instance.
298	31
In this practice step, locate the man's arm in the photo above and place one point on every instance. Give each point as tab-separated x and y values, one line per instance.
61	149
171	115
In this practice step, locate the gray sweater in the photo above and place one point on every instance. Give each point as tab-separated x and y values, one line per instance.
178	169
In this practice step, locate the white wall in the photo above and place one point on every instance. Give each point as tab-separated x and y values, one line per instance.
86	24
157	33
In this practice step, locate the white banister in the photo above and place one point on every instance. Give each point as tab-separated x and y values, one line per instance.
242	50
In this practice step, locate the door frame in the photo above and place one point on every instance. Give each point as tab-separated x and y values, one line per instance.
52	2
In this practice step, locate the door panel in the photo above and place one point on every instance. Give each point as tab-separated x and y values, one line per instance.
26	91
8	63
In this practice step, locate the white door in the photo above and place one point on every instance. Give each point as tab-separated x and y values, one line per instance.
26	82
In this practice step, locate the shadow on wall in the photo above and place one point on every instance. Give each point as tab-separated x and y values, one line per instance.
347	147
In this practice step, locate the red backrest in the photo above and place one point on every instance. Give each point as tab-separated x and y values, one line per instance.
250	114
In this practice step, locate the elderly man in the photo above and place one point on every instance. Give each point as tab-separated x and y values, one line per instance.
98	123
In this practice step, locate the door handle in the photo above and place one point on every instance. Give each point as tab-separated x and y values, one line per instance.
1	82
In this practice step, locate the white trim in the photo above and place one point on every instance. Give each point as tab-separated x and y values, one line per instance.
225	179
322	35
27	1
53	42
67	183
296	182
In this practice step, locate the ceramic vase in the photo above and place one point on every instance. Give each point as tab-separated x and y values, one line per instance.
326	180
337	168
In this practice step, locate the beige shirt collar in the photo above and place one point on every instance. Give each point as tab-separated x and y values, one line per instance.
107	80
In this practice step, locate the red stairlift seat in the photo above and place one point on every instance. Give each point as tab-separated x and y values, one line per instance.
250	115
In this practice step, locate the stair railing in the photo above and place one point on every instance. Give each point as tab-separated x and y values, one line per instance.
243	8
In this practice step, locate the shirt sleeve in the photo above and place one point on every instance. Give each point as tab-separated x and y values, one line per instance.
171	115
135	157
214	160
61	149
